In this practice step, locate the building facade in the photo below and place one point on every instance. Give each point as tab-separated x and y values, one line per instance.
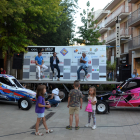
134	43
128	12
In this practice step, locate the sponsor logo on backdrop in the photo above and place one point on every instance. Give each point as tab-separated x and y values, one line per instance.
63	51
34	56
95	69
102	56
88	75
44	56
96	50
77	56
82	49
102	61
42	50
102	49
89	62
66	68
75	51
27	57
33	49
94	56
25	68
90	53
32	61
73	76
90	49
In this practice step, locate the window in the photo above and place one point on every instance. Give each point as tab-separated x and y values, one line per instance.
17	83
5	81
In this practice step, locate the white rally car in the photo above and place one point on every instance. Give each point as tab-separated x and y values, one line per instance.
12	91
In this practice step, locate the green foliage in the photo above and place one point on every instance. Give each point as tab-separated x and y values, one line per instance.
110	66
89	32
23	20
64	32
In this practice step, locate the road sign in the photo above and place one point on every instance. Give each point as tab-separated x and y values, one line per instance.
117	40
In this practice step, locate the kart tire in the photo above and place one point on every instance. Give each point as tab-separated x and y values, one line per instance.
101	107
25	103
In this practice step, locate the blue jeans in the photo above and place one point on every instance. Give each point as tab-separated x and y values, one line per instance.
80	68
53	101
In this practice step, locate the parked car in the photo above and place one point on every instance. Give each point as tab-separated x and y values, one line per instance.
12	91
127	94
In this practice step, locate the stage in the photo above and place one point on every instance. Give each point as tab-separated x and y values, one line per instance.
67	82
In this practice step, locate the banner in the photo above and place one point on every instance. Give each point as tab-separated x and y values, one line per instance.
69	57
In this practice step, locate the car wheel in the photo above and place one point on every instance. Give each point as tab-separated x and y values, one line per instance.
101	107
25	103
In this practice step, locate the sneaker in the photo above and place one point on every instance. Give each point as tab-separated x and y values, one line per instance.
57	105
58	79
69	127
94	127
39	79
86	77
41	73
76	127
88	125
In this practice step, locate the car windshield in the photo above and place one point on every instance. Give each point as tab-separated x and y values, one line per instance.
17	83
5	81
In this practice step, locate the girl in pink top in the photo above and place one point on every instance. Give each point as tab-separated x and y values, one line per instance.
93	100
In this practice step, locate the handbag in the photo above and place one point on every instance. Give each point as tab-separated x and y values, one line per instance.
89	107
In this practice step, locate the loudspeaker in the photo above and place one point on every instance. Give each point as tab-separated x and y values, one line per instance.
18	61
124	72
1	63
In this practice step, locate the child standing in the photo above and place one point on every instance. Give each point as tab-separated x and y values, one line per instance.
93	100
74	101
40	108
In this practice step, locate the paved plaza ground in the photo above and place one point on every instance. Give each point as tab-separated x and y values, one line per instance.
120	124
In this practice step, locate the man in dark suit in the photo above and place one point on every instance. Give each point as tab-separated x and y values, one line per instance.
54	64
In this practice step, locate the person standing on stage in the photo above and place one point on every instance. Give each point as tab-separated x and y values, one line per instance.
84	65
54	64
40	64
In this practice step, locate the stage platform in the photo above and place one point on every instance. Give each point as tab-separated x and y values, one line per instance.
67	82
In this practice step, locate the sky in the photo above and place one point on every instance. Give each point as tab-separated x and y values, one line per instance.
97	4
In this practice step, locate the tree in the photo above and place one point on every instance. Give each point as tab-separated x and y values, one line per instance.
89	32
22	20
64	32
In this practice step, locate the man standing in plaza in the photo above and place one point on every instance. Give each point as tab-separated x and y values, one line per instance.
40	64
54	64
84	65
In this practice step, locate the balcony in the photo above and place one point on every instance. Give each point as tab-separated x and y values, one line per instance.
134	19
124	35
133	1
122	12
102	15
134	44
102	28
112	4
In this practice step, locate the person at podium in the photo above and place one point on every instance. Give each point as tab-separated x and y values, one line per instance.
54	61
84	65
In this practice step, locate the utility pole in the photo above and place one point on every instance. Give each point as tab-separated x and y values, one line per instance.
117	47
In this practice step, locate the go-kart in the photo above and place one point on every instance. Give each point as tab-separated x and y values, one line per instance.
12	91
127	94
